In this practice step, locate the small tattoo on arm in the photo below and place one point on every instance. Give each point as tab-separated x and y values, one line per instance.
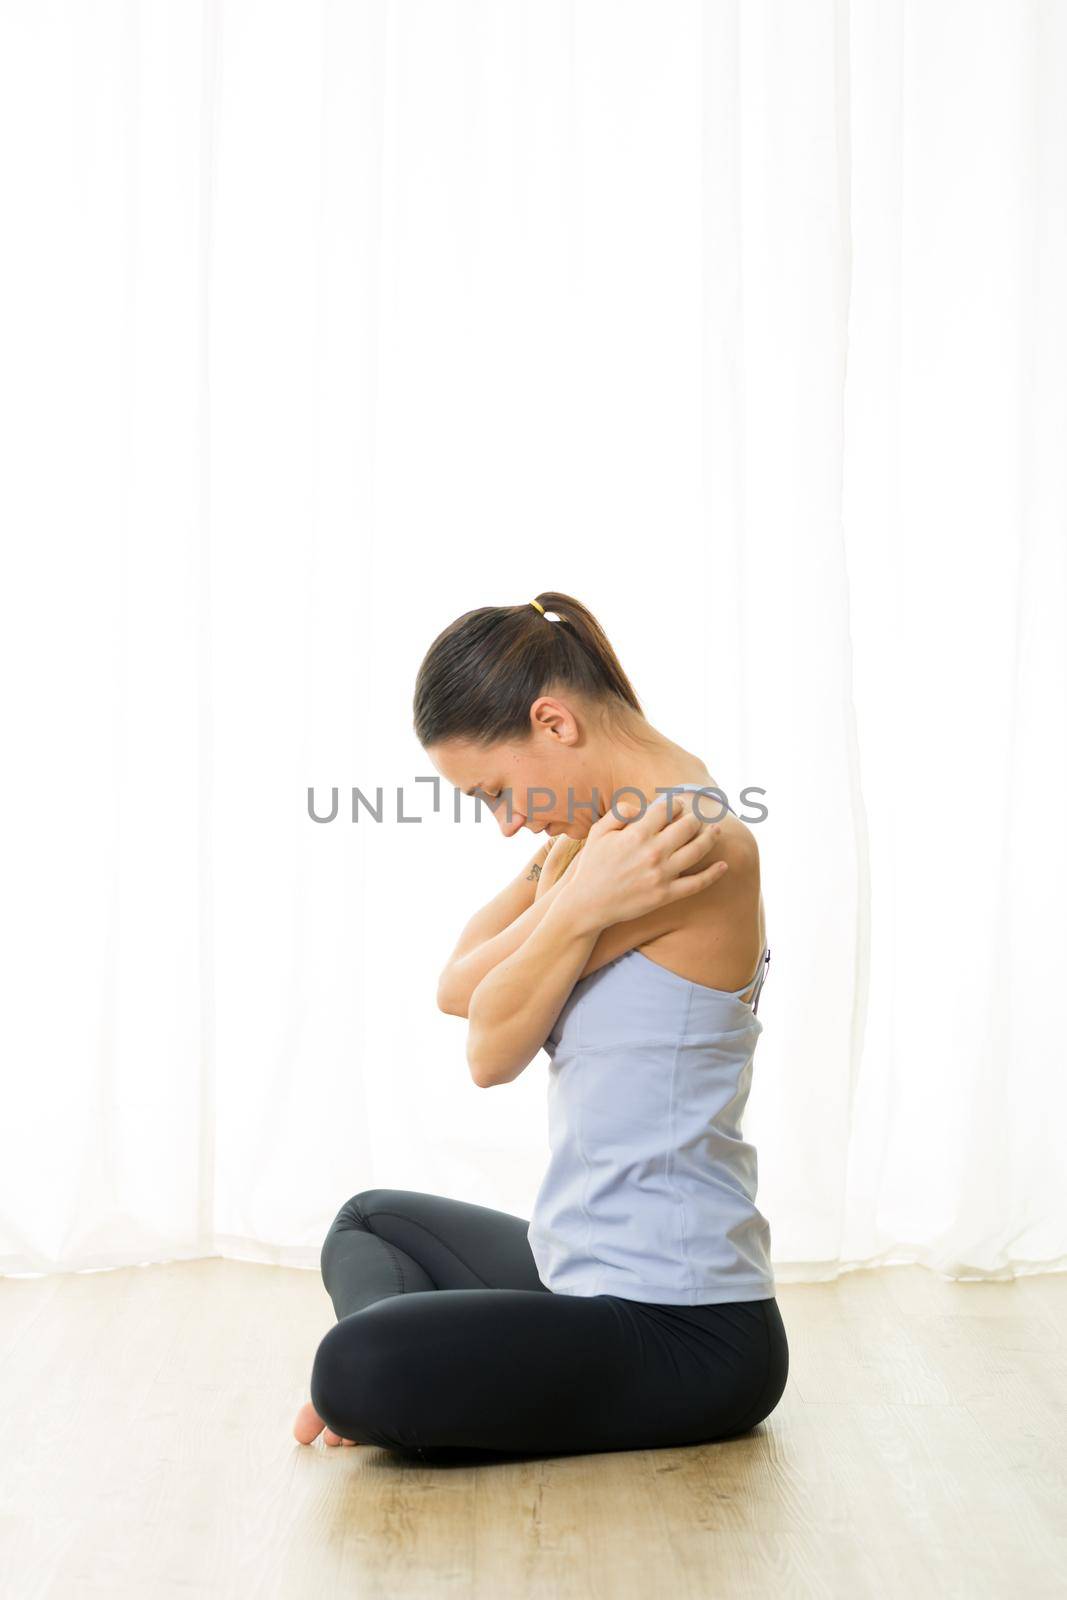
534	873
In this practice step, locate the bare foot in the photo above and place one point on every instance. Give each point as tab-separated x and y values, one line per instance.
309	1425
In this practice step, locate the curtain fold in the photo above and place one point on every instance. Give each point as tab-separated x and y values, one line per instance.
321	326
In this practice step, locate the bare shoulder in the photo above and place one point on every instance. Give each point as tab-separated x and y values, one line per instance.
717	934
714	936
720	931
738	890
738	846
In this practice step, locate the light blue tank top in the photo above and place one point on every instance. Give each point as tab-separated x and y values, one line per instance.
650	1191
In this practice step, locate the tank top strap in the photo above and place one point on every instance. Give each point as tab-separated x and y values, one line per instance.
704	789
756	978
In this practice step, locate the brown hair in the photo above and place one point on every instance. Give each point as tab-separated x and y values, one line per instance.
480	676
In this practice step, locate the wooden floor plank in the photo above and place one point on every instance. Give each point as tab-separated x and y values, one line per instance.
920	1448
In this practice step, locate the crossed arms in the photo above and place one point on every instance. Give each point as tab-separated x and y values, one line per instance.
520	956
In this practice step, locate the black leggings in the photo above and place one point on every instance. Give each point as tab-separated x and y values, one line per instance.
447	1343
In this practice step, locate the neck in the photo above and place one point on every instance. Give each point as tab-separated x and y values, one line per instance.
645	761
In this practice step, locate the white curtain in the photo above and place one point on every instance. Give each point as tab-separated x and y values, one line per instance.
320	325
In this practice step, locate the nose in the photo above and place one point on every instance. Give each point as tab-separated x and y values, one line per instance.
510	828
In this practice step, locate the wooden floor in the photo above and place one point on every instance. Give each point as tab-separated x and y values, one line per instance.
920	1449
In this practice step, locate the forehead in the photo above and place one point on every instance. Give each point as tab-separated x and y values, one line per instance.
463	763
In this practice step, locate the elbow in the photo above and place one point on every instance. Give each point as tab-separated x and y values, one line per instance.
491	1082
449	998
486	1073
482	1074
487	1061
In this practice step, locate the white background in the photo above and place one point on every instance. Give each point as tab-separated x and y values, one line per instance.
322	324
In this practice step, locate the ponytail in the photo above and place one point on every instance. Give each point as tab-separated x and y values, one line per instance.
482	674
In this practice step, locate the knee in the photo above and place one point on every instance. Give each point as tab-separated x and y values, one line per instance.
353	1216
335	1386
357	1387
356	1212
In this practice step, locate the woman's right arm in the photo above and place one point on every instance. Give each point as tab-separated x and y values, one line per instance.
493	932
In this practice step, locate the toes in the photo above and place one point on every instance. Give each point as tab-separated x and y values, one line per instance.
308	1424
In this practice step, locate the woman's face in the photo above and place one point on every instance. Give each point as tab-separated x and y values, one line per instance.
545	774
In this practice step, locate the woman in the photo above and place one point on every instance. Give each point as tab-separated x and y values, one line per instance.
637	1306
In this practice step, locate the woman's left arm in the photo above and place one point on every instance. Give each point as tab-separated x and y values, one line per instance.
514	1006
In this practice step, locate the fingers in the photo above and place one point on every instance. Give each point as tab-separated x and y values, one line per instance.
666	811
693	851
610	821
696	881
656	816
684	818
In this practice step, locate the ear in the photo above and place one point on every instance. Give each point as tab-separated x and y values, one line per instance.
549	715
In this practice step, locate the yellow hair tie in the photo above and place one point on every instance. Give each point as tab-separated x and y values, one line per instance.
539	606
